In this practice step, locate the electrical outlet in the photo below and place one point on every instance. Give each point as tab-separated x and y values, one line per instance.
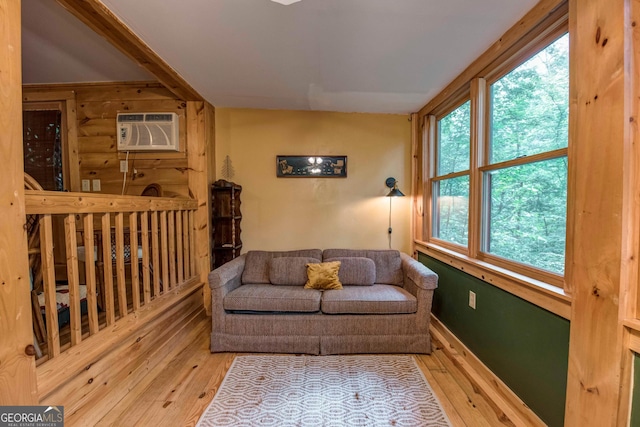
96	185
124	166
472	299
86	185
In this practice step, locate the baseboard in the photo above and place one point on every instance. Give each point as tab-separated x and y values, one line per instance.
505	402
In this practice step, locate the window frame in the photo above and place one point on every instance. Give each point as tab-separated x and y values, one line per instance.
432	123
478	90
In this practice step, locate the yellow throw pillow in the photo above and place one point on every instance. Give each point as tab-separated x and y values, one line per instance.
323	276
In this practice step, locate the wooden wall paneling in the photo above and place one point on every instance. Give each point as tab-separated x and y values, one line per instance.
16	367
100	19
90	273
599	78
201	140
73	159
73	279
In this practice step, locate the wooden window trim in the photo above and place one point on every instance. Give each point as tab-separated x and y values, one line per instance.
540	293
476	89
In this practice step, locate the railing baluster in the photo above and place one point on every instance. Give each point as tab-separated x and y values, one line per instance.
146	282
49	284
90	273
192	241
120	274
165	250
133	243
73	278
107	269
168	256
156	254
172	249
185	237
179	249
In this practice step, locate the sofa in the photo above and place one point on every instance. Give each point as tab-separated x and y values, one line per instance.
260	304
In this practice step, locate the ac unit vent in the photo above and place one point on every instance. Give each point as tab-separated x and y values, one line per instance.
148	132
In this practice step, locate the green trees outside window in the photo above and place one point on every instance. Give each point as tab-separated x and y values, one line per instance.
507	176
527	202
451	195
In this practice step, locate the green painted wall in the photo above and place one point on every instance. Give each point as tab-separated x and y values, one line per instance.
635	399
526	346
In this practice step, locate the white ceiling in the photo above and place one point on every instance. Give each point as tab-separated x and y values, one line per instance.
388	56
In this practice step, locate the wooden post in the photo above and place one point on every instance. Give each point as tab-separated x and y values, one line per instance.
17	367
200	148
601	126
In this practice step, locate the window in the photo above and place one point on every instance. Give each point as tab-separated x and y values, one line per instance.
525	201
451	181
498	170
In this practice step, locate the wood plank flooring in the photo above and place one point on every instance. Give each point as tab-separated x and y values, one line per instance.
178	390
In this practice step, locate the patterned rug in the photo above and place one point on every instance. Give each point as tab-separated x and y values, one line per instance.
314	391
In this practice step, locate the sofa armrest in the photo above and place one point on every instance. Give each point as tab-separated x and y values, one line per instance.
223	280
423	278
227	275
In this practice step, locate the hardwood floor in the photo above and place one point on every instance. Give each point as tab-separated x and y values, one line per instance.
176	391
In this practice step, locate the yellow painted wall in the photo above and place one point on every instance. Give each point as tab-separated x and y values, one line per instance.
296	213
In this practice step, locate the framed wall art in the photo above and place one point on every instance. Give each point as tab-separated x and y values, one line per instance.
311	166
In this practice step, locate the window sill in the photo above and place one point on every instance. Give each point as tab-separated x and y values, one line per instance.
542	294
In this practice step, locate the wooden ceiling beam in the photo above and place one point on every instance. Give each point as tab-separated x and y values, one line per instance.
101	20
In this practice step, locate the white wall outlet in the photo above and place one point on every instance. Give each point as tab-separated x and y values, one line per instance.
472	299
96	185
124	166
86	185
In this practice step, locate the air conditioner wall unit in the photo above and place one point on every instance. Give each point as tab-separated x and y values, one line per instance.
148	132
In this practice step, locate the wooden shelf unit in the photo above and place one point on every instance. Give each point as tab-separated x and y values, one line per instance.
226	218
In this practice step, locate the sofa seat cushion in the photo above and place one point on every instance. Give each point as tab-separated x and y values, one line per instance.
273	298
257	263
356	270
376	299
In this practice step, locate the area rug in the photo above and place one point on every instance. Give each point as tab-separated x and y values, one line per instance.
313	391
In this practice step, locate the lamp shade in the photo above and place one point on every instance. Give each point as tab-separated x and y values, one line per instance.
395	193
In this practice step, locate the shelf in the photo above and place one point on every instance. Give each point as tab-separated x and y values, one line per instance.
227	217
223	248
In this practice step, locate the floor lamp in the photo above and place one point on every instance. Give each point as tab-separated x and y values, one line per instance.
392	183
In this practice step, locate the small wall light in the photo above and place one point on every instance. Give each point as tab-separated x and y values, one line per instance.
392	183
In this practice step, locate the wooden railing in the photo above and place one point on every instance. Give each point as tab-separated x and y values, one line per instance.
146	244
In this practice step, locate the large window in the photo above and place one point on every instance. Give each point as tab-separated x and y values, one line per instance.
498	174
451	181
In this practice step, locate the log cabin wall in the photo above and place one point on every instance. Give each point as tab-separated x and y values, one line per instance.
97	155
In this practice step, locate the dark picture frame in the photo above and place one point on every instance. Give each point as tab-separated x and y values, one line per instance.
311	166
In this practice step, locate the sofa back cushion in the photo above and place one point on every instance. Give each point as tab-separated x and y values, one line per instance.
388	262
356	270
289	270
257	263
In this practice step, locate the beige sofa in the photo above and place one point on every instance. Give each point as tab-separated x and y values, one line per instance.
259	304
